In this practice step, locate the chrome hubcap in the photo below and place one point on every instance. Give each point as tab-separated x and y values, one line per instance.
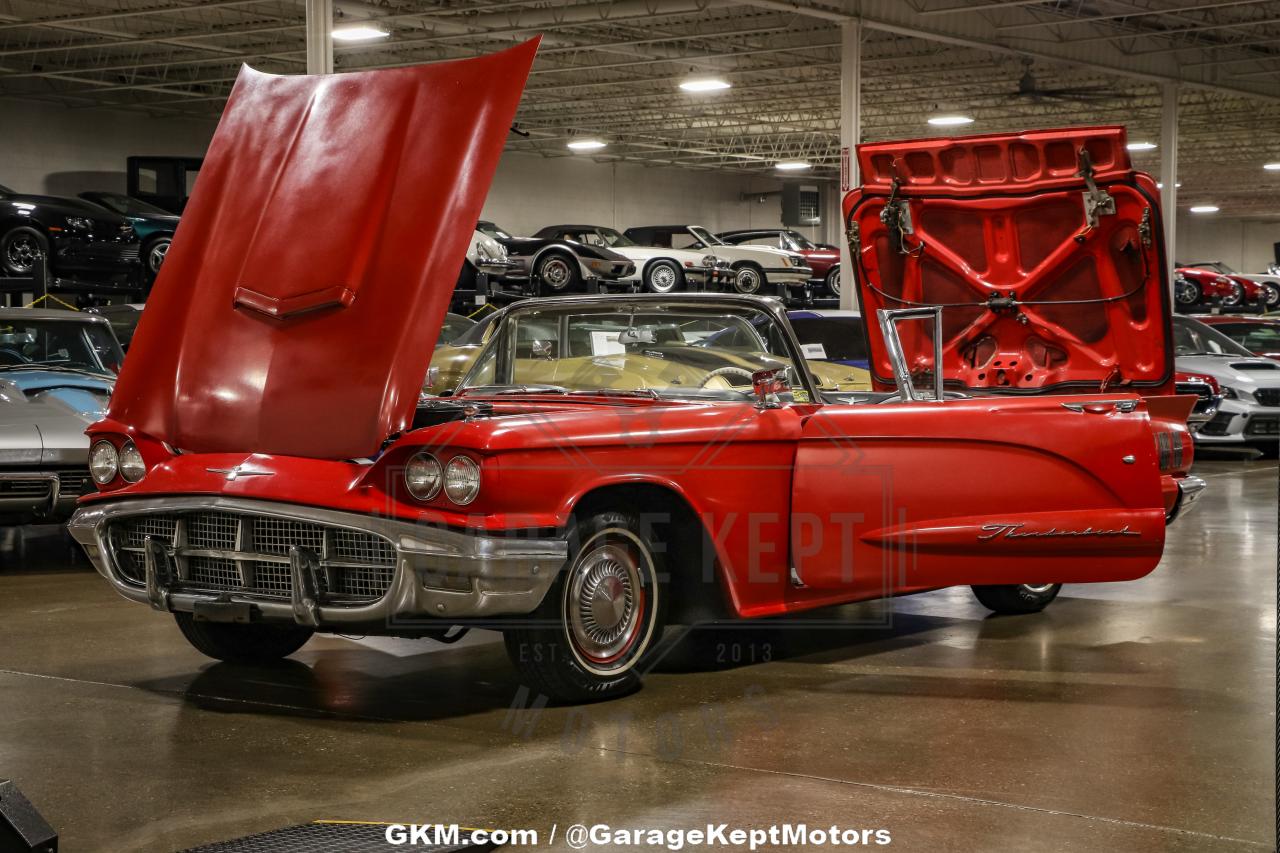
156	256
1233	297
605	603
1037	589
748	281
1184	292
662	278
833	282
555	273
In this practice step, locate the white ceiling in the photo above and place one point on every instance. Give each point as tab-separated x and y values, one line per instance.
611	70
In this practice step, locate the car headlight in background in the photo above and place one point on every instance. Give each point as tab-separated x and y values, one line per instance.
80	222
423	476
104	462
797	261
461	480
132	468
1229	393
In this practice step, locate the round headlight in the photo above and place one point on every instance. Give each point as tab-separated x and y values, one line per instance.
422	476
104	462
132	468
461	480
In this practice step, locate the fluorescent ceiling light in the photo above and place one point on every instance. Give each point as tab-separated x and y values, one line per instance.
1141	146
587	144
792	165
950	121
705	84
1205	208
1271	167
1160	186
359	32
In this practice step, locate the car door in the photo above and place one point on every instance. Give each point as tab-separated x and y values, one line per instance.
905	496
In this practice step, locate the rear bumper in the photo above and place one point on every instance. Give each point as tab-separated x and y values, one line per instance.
439	576
1189	491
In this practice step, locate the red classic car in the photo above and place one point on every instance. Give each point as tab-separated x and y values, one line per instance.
265	471
1194	287
823	260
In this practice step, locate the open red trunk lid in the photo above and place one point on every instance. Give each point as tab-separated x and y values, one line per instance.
1044	249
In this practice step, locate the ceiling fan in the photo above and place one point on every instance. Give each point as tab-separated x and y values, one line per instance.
1029	89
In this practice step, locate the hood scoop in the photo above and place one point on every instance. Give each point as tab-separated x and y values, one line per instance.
1254	365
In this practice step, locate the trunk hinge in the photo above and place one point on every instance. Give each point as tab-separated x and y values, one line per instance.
1144	228
896	216
1097	203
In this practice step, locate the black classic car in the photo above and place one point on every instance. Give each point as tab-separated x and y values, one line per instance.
551	265
87	248
153	225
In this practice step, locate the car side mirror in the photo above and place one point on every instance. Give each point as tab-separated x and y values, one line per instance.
767	385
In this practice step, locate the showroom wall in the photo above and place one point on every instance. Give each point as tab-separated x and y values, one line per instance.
1242	244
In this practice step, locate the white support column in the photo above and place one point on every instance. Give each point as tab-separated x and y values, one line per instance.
850	133
319	36
1169	171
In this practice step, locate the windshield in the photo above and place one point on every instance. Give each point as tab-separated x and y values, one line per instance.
801	242
1255	337
6	191
492	230
455	326
60	345
704	351
129	206
1194	338
705	236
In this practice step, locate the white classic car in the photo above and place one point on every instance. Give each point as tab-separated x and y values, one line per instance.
657	270
754	267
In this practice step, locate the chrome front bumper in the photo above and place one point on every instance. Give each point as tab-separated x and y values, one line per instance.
1189	491
440	575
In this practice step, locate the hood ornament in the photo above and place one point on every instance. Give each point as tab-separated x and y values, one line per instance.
241	470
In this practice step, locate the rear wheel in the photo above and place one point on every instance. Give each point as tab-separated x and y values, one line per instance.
588	637
833	282
20	248
1271	296
1186	293
153	255
662	277
239	643
558	273
1017	598
748	278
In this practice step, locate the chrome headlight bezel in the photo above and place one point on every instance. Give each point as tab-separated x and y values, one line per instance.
130	463
418	473
462	480
105	452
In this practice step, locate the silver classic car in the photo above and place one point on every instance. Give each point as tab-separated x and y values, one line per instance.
57	369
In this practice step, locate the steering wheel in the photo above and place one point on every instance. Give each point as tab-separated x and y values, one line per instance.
8	355
723	372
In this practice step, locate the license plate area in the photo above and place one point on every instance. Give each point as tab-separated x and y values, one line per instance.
222	611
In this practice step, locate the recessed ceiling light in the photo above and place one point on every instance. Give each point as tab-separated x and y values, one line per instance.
705	84
359	32
1271	167
792	165
587	144
950	121
1205	208
1141	146
1160	186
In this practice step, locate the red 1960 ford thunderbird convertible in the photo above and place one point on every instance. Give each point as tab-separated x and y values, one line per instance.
612	464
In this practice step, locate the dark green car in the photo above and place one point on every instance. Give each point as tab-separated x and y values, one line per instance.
153	225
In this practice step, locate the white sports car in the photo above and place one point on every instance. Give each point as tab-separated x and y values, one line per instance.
754	267
657	270
1249	415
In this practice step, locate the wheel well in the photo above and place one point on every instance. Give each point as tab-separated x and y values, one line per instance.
554	250
737	265
677	533
649	263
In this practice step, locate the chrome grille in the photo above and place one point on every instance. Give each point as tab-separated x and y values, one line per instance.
74	482
25	488
249	553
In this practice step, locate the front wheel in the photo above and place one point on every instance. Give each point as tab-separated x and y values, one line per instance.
558	273
153	256
20	248
1017	598
1185	293
241	643
1271	296
588	637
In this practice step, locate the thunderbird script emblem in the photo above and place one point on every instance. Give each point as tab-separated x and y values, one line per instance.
240	471
1015	531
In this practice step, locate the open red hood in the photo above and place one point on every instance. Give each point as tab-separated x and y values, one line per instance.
1047	280
298	307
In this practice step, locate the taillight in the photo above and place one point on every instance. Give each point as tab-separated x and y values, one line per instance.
1171	450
